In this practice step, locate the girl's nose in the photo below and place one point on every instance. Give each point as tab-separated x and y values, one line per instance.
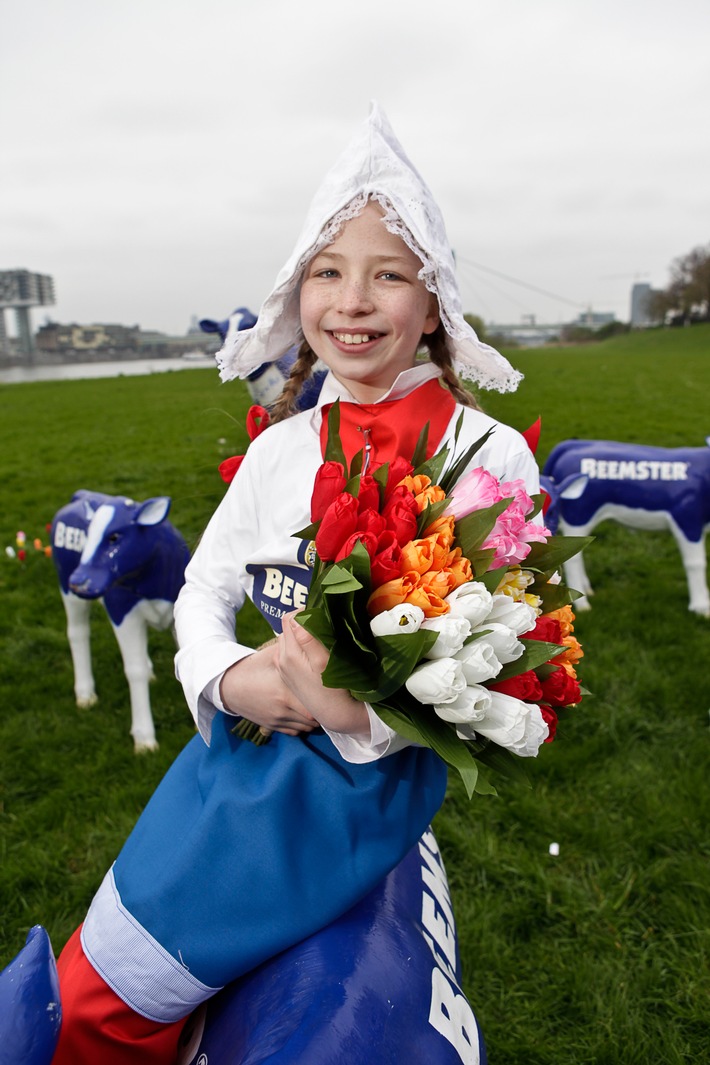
355	298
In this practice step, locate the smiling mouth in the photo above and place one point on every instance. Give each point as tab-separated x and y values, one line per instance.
355	338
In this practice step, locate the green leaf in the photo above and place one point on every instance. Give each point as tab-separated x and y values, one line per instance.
503	761
441	737
334	448
536	653
539	502
317	623
420	450
481	560
473	530
429	515
461	464
381	475
309	533
351	665
339	581
548	557
553	596
398	655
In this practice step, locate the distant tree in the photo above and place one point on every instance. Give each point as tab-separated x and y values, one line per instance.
577	334
612	329
478	325
688	293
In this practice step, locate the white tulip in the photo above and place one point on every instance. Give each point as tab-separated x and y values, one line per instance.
516	616
511	723
505	643
471	601
437	682
470	706
402	618
451	633
479	661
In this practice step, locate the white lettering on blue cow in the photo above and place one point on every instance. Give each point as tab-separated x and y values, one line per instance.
69	537
449	1011
643	470
285	589
453	1018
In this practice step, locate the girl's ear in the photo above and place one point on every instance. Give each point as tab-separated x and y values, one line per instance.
432	320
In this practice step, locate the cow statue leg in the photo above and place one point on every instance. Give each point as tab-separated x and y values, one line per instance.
575	571
132	637
695	562
79	635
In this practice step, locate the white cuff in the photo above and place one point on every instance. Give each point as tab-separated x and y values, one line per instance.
359	749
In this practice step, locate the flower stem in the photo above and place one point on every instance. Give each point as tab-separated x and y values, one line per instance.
249	730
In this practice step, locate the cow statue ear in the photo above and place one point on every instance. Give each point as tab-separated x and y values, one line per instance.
153	511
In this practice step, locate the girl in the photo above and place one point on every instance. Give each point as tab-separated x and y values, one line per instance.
244	850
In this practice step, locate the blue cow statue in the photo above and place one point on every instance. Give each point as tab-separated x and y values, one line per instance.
131	558
381	984
635	485
30	1010
266	382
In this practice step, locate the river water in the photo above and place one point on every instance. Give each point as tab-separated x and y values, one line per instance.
125	367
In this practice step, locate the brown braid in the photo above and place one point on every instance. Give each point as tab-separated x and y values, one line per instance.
440	356
301	370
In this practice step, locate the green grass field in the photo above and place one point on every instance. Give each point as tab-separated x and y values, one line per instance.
599	955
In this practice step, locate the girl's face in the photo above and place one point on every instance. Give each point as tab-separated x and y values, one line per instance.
363	308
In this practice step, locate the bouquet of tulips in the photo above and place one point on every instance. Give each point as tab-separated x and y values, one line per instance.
439	600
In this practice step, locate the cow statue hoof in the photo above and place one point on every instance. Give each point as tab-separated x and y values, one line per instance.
30	1013
145	746
85	702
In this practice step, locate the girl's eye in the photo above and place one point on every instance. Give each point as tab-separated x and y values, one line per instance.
390	275
326	272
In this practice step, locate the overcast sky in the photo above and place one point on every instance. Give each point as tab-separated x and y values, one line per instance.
158	156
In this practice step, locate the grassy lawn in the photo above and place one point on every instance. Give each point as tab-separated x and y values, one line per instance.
599	955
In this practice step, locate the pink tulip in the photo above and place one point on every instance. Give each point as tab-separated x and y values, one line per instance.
476	491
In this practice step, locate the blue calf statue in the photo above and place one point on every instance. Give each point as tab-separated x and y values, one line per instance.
129	556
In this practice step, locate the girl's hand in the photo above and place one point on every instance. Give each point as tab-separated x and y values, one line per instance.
254	689
300	660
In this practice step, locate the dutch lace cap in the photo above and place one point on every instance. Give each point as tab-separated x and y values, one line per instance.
374	166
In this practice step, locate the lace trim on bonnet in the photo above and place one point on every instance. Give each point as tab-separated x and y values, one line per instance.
379	161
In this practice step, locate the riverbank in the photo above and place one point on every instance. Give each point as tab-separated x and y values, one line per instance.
118	368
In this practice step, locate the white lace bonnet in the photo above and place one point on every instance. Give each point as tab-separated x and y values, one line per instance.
373	166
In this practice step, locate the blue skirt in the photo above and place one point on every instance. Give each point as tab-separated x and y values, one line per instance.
244	851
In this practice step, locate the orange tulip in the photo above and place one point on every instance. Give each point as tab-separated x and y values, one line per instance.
443	529
432	494
565	616
417	555
392	593
431	603
459	566
440	583
416	484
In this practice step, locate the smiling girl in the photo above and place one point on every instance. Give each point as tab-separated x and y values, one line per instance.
244	850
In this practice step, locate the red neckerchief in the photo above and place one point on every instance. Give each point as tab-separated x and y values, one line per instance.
395	425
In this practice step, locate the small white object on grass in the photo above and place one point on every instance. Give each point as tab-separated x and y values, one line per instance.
554	849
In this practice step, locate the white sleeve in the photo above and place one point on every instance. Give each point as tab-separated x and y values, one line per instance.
208	602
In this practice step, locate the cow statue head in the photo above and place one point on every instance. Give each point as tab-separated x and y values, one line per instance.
120	543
